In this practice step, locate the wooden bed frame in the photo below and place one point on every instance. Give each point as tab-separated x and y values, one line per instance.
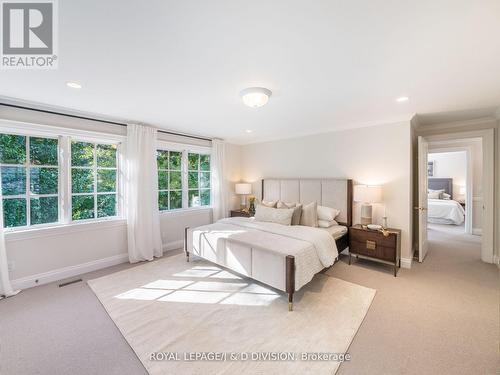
342	243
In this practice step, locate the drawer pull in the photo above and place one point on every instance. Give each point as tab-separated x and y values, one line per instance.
371	245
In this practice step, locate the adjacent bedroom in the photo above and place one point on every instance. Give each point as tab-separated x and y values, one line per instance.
249	187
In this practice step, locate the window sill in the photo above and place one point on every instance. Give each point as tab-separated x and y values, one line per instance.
62	229
185	211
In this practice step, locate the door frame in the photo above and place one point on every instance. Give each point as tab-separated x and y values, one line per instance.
488	218
469	179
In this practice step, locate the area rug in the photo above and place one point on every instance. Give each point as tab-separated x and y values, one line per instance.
198	318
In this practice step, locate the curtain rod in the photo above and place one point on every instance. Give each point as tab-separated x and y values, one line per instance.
95	119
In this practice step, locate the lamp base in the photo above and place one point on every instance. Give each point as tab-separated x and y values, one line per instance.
366	214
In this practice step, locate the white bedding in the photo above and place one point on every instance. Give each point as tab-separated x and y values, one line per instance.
336	231
445	211
313	248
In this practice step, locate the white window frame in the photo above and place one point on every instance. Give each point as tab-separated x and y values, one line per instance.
185	149
65	135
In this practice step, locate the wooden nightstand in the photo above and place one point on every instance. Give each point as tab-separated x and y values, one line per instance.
240	213
371	244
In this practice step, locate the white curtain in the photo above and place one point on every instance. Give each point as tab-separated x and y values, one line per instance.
141	194
5	285
219	188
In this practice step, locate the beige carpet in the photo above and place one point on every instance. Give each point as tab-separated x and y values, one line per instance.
173	306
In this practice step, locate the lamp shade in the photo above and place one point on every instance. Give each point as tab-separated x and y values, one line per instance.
243	188
367	193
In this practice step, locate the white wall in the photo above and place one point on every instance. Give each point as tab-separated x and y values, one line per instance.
372	155
451	165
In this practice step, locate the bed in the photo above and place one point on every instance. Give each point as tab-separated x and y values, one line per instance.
283	257
444	211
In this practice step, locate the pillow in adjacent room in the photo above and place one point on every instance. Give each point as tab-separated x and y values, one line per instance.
327	213
274	215
297	210
271	204
445	196
434	195
309	215
326	224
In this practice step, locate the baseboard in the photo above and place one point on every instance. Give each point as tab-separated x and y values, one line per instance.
477	231
406	262
496	260
66	272
71	271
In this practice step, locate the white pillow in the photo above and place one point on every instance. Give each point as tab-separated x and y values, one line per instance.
269	203
326	224
273	215
327	213
297	210
445	196
309	215
434	195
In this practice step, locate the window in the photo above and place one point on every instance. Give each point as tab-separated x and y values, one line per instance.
183	179
93	180
198	180
169	179
30	180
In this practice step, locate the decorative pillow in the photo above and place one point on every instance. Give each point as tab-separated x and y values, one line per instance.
434	195
271	204
309	215
297	210
273	215
327	213
445	196
326	224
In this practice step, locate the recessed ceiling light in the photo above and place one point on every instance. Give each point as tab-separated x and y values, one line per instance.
74	85
255	96
248	130
402	99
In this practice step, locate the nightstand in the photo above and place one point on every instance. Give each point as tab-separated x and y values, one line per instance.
373	245
240	213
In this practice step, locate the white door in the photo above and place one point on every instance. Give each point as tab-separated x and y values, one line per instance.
423	147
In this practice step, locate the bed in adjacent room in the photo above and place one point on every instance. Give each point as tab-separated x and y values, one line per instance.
442	209
276	253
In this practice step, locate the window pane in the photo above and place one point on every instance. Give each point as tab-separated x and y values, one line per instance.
83	207
43	151
175	160
193	161
205	162
106	205
82	154
175	180
194	198
163	200
162	180
82	180
193	180
44	180
106	180
204	179
13	180
12	149
205	197
175	199
44	210
106	156
162	159
14	212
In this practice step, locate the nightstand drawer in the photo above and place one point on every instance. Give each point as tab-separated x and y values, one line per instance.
377	237
373	249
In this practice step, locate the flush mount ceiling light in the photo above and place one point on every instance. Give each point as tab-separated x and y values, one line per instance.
255	96
248	130
402	99
74	85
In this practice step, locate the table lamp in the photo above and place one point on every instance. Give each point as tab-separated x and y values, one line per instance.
243	189
367	195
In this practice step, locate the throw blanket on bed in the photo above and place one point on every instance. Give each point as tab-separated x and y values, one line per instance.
323	242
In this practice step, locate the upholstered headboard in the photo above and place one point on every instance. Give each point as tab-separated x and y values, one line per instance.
330	192
441	183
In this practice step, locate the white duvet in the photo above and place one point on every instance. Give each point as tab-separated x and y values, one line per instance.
445	211
313	248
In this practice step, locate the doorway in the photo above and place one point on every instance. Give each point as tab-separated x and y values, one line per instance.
455	192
